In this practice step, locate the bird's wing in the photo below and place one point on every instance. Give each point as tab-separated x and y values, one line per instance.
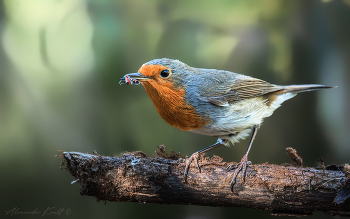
243	87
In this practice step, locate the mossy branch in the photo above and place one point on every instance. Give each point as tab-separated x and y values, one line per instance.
281	189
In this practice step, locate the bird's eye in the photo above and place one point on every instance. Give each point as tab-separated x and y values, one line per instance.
165	73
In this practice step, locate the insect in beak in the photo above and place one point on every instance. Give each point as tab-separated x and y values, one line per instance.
133	78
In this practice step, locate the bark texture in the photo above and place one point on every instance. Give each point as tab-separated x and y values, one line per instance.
281	189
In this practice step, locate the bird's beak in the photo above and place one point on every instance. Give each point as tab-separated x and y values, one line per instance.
138	76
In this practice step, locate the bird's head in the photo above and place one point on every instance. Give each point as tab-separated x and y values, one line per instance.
161	73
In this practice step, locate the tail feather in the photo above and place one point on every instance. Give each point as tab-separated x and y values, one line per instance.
304	88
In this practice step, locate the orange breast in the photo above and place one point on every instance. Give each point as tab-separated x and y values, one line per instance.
172	107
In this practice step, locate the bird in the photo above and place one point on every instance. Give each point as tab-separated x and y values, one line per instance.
218	103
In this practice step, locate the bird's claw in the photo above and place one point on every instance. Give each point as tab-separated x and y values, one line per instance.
241	166
194	156
234	166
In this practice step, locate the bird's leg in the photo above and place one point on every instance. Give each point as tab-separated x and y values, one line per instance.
195	156
243	164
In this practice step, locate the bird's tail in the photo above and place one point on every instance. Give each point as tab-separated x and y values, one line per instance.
304	88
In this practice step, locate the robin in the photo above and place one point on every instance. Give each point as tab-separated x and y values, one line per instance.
212	102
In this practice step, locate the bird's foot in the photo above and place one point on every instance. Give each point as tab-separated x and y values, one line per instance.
241	166
195	157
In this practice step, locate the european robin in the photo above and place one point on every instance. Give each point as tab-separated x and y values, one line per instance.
212	102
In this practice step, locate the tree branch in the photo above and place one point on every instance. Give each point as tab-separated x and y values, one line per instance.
283	189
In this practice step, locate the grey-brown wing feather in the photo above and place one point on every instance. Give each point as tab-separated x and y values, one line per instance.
243	88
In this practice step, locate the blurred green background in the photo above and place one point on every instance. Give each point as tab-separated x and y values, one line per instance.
61	61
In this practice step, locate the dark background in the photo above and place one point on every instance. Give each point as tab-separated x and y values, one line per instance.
61	61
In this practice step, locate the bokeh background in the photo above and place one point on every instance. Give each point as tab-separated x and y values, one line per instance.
61	61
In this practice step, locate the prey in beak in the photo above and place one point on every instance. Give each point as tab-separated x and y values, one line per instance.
133	78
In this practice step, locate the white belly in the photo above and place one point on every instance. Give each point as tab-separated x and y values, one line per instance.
234	122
